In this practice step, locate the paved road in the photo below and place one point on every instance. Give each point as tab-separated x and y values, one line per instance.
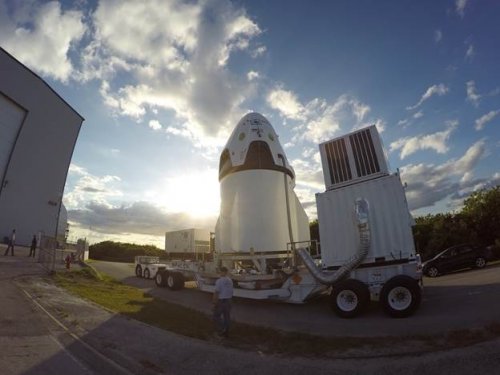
31	342
52	332
468	299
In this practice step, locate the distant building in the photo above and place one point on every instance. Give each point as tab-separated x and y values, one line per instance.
38	132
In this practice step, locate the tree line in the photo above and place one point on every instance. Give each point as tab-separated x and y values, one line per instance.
478	222
122	252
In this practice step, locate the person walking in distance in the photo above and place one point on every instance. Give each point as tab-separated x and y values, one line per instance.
222	302
33	247
12	241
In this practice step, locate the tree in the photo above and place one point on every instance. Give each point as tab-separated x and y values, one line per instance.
314	232
482	213
478	223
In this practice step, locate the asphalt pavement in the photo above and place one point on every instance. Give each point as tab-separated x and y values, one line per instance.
45	330
463	300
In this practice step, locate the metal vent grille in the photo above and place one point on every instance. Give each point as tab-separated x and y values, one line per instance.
353	158
338	161
363	150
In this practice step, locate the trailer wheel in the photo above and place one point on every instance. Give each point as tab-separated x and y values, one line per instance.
349	298
138	271
175	281
161	278
147	274
400	296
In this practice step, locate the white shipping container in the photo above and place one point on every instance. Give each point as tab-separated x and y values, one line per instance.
188	241
390	222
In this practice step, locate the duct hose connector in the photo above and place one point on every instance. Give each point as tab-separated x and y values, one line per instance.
362	211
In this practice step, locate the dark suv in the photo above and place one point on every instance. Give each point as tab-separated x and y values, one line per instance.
455	258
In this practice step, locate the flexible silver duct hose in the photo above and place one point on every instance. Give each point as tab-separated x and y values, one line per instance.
328	278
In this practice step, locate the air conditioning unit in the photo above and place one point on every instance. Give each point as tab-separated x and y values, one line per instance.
355	157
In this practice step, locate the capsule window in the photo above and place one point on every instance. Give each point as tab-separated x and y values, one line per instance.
225	163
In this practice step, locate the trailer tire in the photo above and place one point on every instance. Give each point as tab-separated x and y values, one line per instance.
161	278
147	274
349	298
175	281
400	296
138	271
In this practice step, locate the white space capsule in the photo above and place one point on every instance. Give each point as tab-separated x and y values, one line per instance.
259	208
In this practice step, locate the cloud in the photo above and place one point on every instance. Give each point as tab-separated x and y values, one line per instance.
429	184
472	95
309	179
83	187
439	90
324	120
251	75
436	141
483	120
93	202
438	35
318	119
494	92
470	53
286	103
155	125
176	54
259	51
146	56
41	36
472	185
460	7
408	121
381	125
137	217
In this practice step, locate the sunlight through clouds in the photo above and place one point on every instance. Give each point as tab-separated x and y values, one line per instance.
196	194
161	82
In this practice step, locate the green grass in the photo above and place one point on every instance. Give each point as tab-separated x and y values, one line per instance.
134	303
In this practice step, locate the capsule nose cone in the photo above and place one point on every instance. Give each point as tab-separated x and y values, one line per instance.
253	145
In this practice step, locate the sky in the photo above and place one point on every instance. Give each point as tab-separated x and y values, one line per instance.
162	83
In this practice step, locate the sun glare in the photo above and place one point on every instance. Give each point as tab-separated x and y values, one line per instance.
196	194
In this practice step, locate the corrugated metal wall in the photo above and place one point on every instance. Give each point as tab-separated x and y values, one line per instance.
390	221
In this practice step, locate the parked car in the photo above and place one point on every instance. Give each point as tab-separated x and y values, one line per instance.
456	258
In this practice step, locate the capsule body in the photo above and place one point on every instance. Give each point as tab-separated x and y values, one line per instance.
260	211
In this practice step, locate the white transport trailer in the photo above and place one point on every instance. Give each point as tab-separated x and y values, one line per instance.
367	251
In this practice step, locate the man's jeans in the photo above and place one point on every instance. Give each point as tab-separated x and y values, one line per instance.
222	316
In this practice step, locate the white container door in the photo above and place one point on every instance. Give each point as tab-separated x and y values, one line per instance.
11	119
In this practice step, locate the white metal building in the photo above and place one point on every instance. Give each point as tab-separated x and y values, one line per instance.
38	132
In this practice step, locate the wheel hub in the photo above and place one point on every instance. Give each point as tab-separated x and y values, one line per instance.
400	298
347	300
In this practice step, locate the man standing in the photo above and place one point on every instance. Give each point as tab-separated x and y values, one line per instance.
222	302
33	247
12	241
